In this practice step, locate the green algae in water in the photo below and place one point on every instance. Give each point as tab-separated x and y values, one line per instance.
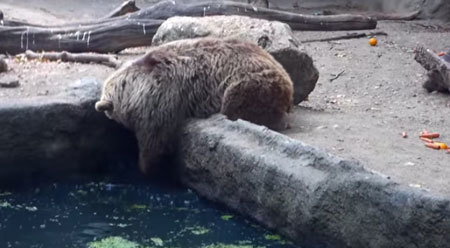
272	237
99	214
119	242
114	242
198	230
226	217
157	241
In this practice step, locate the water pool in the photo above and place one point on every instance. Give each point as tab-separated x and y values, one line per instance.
104	214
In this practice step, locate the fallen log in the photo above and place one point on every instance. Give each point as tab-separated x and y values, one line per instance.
380	16
438	69
167	9
396	16
137	28
107	60
108	36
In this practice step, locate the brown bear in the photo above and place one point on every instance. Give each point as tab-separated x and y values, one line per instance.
155	94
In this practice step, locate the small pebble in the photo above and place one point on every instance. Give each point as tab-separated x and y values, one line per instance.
409	164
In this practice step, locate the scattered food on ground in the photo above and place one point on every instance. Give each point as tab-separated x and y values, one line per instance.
429	135
426	140
433	146
404	135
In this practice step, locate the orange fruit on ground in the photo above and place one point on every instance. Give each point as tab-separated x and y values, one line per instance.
373	41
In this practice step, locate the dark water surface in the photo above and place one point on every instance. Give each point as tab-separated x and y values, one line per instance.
67	214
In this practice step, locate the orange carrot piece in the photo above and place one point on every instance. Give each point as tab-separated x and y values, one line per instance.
433	146
443	146
430	135
427	140
441	54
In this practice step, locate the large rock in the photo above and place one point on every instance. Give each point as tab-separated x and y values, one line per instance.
275	37
61	134
305	193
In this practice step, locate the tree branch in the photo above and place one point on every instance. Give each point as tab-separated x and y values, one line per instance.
107	60
346	37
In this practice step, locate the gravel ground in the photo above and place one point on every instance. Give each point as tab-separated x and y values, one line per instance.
362	113
358	115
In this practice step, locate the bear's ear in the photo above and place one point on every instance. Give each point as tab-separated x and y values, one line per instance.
102	106
151	59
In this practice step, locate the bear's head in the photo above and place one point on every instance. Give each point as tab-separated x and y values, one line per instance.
125	88
106	102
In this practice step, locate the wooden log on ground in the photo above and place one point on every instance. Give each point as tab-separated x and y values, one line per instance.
108	36
438	69
107	60
396	16
167	9
137	29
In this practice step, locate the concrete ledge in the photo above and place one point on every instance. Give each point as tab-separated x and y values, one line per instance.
304	193
58	135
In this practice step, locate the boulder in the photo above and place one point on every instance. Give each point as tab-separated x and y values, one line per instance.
275	37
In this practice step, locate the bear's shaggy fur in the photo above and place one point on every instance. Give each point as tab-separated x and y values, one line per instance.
156	93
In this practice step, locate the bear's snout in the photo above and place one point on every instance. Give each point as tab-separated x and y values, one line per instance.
102	106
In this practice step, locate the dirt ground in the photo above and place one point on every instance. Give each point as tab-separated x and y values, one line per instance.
359	115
